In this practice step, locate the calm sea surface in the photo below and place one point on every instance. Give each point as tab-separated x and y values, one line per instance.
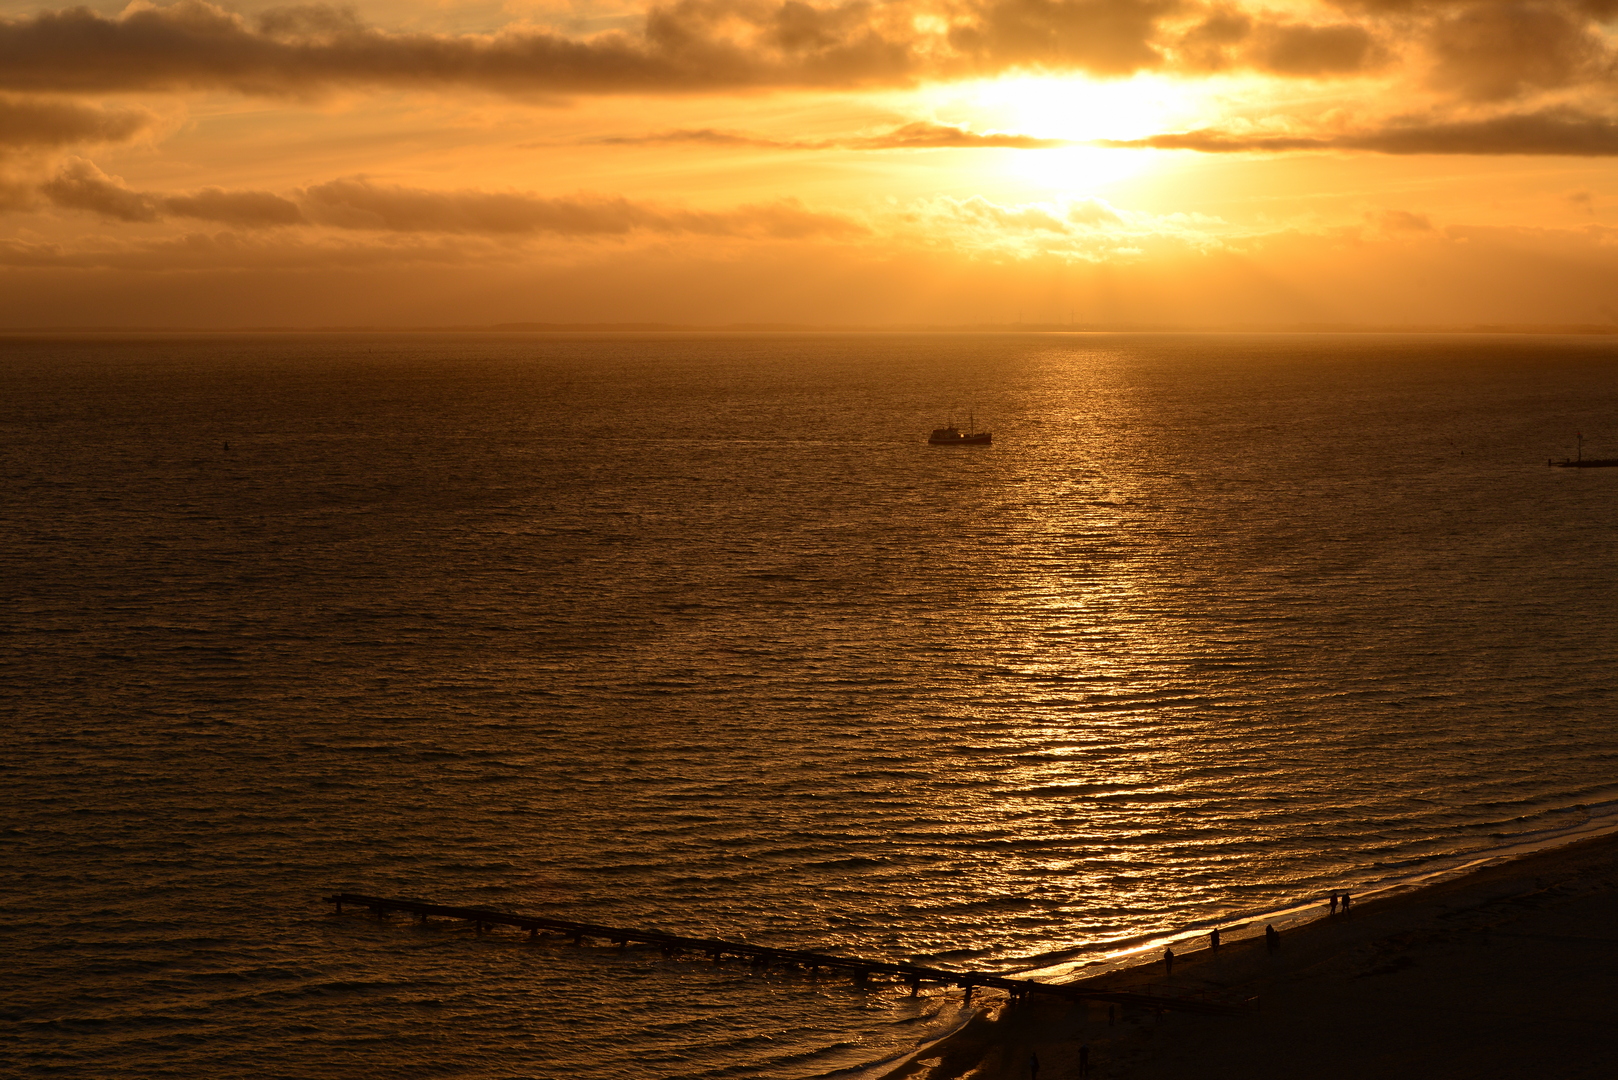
697	633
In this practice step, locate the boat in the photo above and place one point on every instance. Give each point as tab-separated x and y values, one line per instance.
1582	462
954	436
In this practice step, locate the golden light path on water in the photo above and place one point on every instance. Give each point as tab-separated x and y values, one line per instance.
696	633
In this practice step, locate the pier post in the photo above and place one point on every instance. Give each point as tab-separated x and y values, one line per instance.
915	986
533	933
968	1000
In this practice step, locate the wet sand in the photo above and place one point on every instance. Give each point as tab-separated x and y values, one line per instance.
1509	972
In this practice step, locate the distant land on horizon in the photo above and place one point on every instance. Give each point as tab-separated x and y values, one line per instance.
1597	329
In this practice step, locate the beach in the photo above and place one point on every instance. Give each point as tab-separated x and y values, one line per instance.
1505	972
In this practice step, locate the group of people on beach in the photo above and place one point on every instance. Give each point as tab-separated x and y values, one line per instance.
1272	937
1084	1063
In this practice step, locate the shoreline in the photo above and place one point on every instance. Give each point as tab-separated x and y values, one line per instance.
1492	971
1124	954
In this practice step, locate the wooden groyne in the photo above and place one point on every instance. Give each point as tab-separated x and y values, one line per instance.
764	958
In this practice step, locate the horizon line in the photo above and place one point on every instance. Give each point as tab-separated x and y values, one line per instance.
1596	329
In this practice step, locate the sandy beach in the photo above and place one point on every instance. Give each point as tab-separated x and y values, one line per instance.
1508	972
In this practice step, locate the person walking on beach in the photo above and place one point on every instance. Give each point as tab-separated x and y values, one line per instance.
1084	1060
1272	939
1168	960
1345	903
1033	1067
1213	939
1334	903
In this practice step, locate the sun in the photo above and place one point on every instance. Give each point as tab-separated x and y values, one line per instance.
1075	110
1081	109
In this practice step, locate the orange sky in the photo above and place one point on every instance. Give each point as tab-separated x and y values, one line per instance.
1109	161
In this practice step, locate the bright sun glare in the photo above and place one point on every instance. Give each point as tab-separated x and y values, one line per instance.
1076	109
1076	170
1080	109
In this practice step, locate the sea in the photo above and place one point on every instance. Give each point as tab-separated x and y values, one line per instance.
695	632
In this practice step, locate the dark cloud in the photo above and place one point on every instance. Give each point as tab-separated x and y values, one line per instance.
1495	51
1211	44
699	137
1551	132
246	209
1109	37
685	46
81	186
194	45
1556	132
1214	141
691	45
358	203
1595	9
923	135
1303	50
318	22
920	135
31	122
1479	50
1227	38
213	252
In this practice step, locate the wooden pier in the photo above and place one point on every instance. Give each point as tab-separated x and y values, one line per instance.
763	958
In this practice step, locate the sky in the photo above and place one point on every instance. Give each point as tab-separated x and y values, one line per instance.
836	162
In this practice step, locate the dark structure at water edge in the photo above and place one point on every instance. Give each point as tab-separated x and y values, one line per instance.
1579	461
764	958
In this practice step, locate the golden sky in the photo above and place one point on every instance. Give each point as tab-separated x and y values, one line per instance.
952	161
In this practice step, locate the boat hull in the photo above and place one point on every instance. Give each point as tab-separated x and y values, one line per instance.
952	437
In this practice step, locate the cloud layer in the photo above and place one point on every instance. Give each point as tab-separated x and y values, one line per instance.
1551	132
357	203
921	135
1479	49
26	122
